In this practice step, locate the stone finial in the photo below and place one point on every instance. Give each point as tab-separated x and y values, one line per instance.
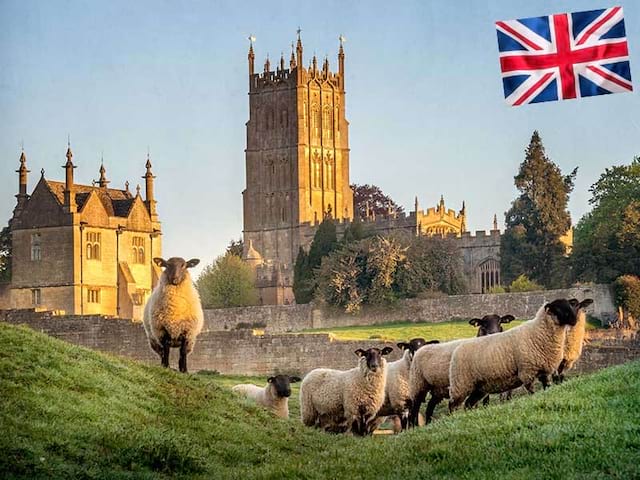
495	221
137	190
281	61
292	60
250	56
267	65
103	182
126	186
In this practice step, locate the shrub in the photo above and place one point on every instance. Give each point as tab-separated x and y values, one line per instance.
227	282
627	297
497	289
523	284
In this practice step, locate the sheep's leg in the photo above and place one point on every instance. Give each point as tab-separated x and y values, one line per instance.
184	349
166	346
485	402
416	403
431	406
454	403
558	376
544	379
155	346
474	398
530	388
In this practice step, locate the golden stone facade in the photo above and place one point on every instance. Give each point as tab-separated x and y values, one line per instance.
297	162
83	249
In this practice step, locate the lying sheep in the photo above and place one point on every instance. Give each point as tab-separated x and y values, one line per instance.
497	363
173	314
274	395
574	340
397	399
346	401
430	368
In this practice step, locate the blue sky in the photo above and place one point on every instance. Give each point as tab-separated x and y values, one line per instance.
424	100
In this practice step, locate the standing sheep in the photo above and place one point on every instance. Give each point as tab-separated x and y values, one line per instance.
173	315
430	367
497	363
574	341
397	399
346	400
274	395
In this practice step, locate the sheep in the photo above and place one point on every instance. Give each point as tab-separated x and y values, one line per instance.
346	401
573	341
497	363
173	314
397	399
430	368
274	395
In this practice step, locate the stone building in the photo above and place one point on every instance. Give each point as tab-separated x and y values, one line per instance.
297	169
83	249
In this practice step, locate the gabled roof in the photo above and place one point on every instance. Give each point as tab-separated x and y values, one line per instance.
116	202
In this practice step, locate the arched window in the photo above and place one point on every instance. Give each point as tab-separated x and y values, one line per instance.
315	115
327	127
89	251
93	245
489	274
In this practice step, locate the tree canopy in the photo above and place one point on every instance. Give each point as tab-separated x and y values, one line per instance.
373	197
5	254
607	239
537	219
227	282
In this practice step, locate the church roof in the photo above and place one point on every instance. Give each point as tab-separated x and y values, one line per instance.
116	202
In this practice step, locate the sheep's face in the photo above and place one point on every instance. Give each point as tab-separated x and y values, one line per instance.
562	311
490	324
373	357
175	269
414	344
282	384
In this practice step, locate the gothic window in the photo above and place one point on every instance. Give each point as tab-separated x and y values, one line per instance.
315	113
489	274
36	297
317	167
327	124
137	249
93	295
36	247
93	245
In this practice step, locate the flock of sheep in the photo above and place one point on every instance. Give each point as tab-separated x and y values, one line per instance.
358	400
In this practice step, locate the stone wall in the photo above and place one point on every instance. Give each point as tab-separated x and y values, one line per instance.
243	353
294	318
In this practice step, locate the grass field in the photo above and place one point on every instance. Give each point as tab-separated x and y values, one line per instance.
67	412
396	332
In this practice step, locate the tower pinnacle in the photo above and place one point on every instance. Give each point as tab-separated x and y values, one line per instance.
69	194
102	182
250	56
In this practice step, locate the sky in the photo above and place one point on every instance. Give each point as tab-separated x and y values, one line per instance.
424	101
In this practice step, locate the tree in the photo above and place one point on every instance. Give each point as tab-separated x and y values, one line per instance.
236	247
373	197
607	239
537	219
227	282
5	255
324	242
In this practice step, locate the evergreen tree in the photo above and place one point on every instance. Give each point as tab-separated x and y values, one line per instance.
236	247
324	242
536	220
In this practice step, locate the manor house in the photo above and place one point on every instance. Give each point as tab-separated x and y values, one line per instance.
297	172
83	249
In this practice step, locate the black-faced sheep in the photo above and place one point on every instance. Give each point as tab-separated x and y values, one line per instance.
574	340
397	401
349	400
274	395
497	363
173	314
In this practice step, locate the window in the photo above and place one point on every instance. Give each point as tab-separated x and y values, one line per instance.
137	249
36	247
93	245
138	297
93	295
327	123
489	272
315	115
36	297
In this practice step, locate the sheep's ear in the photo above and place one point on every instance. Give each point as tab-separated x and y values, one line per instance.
386	351
475	322
160	262
432	342
294	379
585	303
507	319
270	379
360	352
403	346
193	262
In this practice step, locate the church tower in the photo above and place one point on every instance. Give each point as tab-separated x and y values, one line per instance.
297	155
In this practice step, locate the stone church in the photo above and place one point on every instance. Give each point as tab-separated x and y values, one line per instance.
297	172
83	249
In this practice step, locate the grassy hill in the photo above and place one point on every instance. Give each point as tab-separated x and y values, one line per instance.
67	412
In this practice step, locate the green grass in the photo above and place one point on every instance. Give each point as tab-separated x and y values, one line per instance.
396	332
67	412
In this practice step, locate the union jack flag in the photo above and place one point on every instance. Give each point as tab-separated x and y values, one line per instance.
564	56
